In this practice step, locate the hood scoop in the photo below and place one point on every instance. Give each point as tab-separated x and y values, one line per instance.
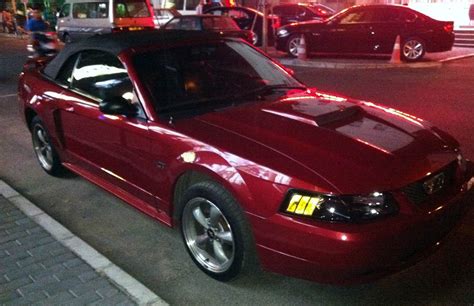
332	119
341	117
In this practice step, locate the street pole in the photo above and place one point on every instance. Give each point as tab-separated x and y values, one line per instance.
262	6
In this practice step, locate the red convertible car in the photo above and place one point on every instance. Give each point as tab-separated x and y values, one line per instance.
209	135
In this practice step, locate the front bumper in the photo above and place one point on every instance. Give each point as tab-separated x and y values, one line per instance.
351	253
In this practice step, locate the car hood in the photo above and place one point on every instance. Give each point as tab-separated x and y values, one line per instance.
344	146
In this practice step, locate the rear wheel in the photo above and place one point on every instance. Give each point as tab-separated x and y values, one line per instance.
215	232
255	38
292	45
413	49
67	38
46	154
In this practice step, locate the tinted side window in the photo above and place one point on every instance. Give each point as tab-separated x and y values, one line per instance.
101	75
359	16
65	10
174	24
190	24
131	9
65	74
90	10
238	14
408	16
387	15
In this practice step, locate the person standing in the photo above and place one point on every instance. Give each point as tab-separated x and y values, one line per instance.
199	7
36	22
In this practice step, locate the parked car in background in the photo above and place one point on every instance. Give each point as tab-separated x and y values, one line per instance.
162	16
222	25
209	135
249	19
79	19
370	29
290	13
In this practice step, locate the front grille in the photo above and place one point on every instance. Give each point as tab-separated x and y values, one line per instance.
417	194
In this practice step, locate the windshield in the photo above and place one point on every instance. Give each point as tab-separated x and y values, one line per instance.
131	9
208	75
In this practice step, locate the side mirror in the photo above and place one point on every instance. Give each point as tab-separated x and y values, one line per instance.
117	106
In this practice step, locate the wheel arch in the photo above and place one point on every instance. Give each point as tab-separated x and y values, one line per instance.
228	177
29	115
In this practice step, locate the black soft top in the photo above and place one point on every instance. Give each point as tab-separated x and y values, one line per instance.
116	43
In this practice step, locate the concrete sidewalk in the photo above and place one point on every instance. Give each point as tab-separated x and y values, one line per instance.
41	262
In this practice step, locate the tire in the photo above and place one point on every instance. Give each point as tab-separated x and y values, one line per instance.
46	154
67	38
413	49
292	44
215	232
255	39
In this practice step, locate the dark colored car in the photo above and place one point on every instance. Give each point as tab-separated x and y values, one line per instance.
209	135
223	25
249	19
290	13
370	29
162	16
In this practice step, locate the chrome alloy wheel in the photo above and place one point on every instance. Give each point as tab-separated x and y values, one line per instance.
293	45
254	38
208	235
413	49
43	148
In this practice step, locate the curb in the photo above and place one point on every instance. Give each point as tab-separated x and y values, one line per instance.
329	65
455	58
128	284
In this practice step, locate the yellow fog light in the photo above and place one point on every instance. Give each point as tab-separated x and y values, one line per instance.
303	205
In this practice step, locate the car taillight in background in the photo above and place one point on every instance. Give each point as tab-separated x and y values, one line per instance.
449	27
275	21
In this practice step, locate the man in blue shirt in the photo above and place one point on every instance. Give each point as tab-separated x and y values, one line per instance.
36	22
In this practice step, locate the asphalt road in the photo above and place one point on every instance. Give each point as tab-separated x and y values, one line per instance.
155	254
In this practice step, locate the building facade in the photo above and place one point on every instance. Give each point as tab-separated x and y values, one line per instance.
459	11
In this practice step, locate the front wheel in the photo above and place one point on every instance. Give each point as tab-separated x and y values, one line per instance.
215	232
46	154
413	49
292	45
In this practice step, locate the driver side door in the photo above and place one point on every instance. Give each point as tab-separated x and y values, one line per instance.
106	148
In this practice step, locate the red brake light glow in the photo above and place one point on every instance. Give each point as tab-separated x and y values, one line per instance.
449	28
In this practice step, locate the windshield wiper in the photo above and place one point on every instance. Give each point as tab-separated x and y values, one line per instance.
268	89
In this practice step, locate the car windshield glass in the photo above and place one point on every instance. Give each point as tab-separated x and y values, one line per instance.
131	9
219	23
338	15
208	76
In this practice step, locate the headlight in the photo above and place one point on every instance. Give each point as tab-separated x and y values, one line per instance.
282	33
339	208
